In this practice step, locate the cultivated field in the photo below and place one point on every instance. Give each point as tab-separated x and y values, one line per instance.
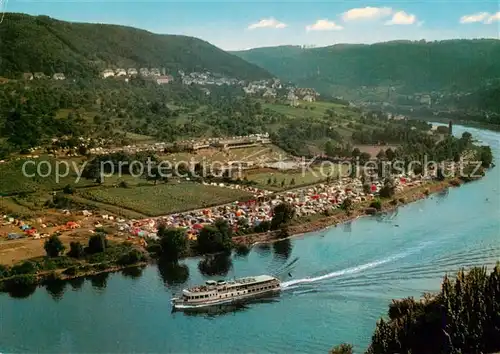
247	154
312	109
14	181
165	198
291	179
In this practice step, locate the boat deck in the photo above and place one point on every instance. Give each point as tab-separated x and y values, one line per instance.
230	283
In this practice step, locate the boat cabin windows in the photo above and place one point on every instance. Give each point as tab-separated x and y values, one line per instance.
196	297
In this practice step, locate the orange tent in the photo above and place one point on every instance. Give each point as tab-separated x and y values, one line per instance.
72	225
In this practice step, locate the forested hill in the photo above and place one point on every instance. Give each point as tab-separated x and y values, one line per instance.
42	44
408	66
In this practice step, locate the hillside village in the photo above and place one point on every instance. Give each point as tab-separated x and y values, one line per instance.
267	89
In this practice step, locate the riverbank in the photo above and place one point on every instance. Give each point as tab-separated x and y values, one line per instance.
464	123
44	270
63	268
319	222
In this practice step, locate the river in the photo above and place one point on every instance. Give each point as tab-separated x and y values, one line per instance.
342	282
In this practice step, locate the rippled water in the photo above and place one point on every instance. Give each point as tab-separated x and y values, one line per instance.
342	281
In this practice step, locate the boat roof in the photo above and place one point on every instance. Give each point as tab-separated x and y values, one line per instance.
229	283
255	279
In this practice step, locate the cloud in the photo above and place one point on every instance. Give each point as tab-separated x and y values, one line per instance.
365	13
493	18
484	17
402	18
270	22
324	25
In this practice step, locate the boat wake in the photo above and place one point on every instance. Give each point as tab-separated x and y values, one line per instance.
348	271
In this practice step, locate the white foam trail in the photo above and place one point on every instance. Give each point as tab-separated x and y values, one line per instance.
354	270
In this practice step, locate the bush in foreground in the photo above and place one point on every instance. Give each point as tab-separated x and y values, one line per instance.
4	271
132	257
463	318
343	348
377	204
26	267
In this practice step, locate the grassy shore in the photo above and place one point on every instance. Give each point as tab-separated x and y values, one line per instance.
36	271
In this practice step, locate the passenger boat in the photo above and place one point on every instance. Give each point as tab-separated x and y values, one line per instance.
226	292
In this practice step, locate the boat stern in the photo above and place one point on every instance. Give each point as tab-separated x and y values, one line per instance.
175	301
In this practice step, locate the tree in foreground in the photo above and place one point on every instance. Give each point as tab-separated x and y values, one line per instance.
173	242
388	190
346	205
53	246
76	250
215	238
486	156
97	243
464	317
282	214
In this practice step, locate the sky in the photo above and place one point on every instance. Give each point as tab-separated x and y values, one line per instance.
238	25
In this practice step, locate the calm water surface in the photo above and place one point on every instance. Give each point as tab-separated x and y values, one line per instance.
342	281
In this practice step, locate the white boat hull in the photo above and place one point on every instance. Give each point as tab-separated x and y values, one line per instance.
179	304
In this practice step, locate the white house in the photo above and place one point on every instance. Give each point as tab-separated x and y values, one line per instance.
160	80
248	90
269	93
39	75
58	76
107	73
291	96
155	72
308	98
120	72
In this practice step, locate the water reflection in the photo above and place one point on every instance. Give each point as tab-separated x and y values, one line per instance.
242	250
282	249
388	216
20	290
99	281
132	272
263	249
441	195
172	273
227	309
219	264
55	288
348	226
76	283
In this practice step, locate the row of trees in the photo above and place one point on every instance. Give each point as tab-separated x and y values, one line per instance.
97	244
216	238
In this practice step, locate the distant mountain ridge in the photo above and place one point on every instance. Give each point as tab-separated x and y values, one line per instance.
409	66
43	44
